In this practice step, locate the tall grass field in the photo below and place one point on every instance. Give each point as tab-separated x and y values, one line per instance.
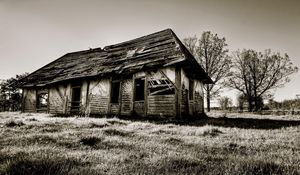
42	144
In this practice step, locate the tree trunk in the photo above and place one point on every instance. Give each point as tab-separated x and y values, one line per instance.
255	104
208	98
250	105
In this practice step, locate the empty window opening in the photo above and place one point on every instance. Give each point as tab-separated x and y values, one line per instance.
115	91
139	89
42	100
191	89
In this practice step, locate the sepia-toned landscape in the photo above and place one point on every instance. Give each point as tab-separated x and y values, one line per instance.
221	144
121	87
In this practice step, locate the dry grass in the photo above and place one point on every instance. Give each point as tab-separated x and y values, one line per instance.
42	144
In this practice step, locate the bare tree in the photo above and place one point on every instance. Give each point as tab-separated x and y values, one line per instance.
210	51
255	74
225	102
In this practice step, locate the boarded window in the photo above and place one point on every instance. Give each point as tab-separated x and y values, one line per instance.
191	89
115	91
139	89
42	100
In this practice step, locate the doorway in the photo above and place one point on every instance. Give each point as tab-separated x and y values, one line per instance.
76	97
139	96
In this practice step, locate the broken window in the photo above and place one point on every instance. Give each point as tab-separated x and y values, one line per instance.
139	89
42	100
159	84
191	89
115	90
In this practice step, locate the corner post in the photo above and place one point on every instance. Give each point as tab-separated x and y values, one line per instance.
178	93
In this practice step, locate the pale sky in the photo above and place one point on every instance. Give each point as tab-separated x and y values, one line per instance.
35	32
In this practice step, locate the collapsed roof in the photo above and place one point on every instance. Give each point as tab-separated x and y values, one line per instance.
160	49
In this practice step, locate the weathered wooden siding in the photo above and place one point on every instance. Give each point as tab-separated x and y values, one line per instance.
59	98
98	99
83	101
194	106
127	95
161	105
139	108
198	98
29	100
184	92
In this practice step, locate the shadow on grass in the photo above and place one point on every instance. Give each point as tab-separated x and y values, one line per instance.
244	123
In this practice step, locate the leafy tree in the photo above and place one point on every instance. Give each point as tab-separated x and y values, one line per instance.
256	74
210	51
10	93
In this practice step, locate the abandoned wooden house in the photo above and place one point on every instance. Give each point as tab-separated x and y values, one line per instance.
148	76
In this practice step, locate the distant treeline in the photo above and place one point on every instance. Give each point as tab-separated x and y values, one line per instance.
272	107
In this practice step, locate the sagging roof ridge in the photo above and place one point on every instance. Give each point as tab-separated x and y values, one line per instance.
122	45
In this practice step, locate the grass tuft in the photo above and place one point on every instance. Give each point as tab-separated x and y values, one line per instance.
95	125
43	164
116	122
261	167
90	141
13	123
173	141
32	119
114	132
213	132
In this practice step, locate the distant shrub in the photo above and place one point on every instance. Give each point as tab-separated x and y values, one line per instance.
114	132
90	141
13	123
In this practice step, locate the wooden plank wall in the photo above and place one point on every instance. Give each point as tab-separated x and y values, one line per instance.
198	98
127	95
29	100
184	91
98	99
161	105
58	99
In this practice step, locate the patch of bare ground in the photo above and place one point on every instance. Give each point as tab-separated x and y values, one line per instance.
75	145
